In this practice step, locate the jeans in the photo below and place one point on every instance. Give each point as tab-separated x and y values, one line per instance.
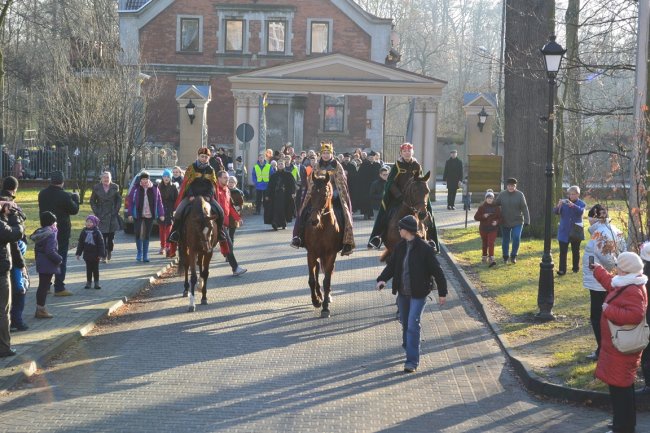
575	255
508	233
410	314
59	279
624	408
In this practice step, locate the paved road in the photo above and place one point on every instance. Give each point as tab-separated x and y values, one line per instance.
259	359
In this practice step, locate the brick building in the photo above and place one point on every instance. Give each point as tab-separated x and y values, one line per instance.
322	67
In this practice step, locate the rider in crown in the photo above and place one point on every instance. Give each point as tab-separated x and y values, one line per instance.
406	167
340	199
200	180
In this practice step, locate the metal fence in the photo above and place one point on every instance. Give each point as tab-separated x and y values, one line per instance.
36	162
391	147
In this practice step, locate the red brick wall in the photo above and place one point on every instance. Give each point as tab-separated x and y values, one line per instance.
158	46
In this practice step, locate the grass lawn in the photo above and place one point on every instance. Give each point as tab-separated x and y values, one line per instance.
554	350
28	201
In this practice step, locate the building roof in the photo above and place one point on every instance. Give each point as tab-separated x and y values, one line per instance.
133	5
470	97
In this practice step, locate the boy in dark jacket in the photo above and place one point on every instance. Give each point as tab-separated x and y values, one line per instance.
412	266
377	188
91	245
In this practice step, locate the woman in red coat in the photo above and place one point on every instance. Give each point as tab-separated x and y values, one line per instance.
625	304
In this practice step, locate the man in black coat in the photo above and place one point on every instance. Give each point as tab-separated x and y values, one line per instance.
62	204
453	175
11	230
413	267
279	204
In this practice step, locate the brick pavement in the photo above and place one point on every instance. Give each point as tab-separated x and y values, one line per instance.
259	358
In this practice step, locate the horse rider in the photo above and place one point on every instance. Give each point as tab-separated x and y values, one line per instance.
200	180
340	199
405	168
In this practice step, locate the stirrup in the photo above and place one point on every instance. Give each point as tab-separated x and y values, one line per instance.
374	242
173	237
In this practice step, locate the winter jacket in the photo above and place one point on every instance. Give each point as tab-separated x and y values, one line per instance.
569	215
136	201
46	248
453	172
494	214
11	231
514	209
629	307
91	251
106	206
229	211
605	244
62	204
423	266
168	195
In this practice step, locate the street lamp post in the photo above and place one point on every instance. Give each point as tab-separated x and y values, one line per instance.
190	111
553	53
482	118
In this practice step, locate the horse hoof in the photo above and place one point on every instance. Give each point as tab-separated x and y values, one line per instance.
204	302
330	299
324	314
191	309
185	294
316	304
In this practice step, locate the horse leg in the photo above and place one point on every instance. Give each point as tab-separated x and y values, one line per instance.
328	269
312	263
186	286
205	271
192	259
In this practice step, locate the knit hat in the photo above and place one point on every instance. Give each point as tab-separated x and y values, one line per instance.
630	263
489	193
56	178
47	218
645	251
167	173
9	183
238	159
408	223
94	219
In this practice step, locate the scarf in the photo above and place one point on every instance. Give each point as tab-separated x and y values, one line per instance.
202	165
90	239
629	279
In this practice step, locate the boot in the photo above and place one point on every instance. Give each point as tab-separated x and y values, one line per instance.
138	244
41	313
145	251
484	259
108	255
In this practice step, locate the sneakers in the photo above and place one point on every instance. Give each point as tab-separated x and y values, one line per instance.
484	259
64	292
295	242
374	243
593	356
409	369
239	271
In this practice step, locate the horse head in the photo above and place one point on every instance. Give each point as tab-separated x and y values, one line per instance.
416	195
200	224
321	197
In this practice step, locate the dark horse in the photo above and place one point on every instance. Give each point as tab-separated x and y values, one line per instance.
323	240
414	202
197	243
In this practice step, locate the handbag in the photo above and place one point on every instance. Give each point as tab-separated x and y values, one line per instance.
577	233
629	339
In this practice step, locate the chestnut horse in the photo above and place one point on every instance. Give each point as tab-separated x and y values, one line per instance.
323	240
196	246
414	202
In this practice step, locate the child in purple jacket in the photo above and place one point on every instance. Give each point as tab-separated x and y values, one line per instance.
48	260
91	245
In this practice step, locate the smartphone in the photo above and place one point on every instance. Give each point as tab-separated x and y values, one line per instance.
591	260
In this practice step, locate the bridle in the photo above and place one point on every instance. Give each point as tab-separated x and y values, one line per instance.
326	209
414	207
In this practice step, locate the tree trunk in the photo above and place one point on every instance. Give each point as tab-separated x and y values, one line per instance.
573	131
528	26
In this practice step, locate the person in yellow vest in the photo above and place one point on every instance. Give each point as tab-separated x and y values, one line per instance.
340	200
261	174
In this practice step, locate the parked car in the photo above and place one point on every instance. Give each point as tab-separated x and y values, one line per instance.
155	174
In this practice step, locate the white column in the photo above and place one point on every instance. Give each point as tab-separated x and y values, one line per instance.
247	110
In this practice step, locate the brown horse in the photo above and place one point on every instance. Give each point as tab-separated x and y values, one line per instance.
323	240
196	246
414	202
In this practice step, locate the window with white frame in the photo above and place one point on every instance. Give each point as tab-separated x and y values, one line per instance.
333	113
234	35
189	34
276	36
320	37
